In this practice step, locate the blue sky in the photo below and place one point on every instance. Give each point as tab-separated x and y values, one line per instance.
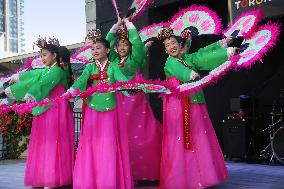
64	19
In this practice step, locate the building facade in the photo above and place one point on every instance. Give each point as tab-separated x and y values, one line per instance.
90	11
11	26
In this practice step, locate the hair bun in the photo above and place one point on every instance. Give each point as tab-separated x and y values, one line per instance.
122	33
165	33
42	42
188	32
94	34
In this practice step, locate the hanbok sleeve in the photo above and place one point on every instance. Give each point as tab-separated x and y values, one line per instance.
138	52
206	59
178	70
30	73
42	87
111	38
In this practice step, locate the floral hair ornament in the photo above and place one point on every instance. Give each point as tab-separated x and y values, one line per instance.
122	33
165	33
42	42
93	35
188	32
53	41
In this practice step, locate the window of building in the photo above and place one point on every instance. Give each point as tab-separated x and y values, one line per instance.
2	23
2	7
13	7
13	27
13	45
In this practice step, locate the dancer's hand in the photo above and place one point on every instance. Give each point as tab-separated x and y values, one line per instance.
149	44
236	50
68	95
12	81
231	51
119	21
194	75
27	100
126	20
229	40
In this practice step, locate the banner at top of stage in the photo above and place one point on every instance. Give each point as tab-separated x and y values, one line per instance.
270	7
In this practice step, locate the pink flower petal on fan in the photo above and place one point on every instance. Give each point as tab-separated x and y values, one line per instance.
261	39
248	54
206	25
233	28
178	25
150	32
194	18
248	21
38	61
138	2
154	88
245	29
256	35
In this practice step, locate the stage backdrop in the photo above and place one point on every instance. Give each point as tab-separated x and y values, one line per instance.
270	7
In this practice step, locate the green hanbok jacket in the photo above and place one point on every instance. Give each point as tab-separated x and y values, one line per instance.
207	58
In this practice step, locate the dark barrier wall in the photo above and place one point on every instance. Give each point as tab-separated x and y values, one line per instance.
270	7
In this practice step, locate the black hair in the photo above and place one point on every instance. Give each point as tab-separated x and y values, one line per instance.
53	49
193	30
105	42
64	54
181	41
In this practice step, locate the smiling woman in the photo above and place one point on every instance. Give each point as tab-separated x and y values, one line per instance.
52	18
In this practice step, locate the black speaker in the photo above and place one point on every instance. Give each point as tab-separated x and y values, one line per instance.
243	103
236	134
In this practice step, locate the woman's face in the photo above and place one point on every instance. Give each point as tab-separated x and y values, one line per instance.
99	51
172	47
123	48
47	57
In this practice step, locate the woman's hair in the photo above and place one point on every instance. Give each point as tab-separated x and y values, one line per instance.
64	54
186	34
105	42
179	39
51	48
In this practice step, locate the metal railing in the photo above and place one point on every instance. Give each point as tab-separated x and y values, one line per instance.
2	146
78	123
